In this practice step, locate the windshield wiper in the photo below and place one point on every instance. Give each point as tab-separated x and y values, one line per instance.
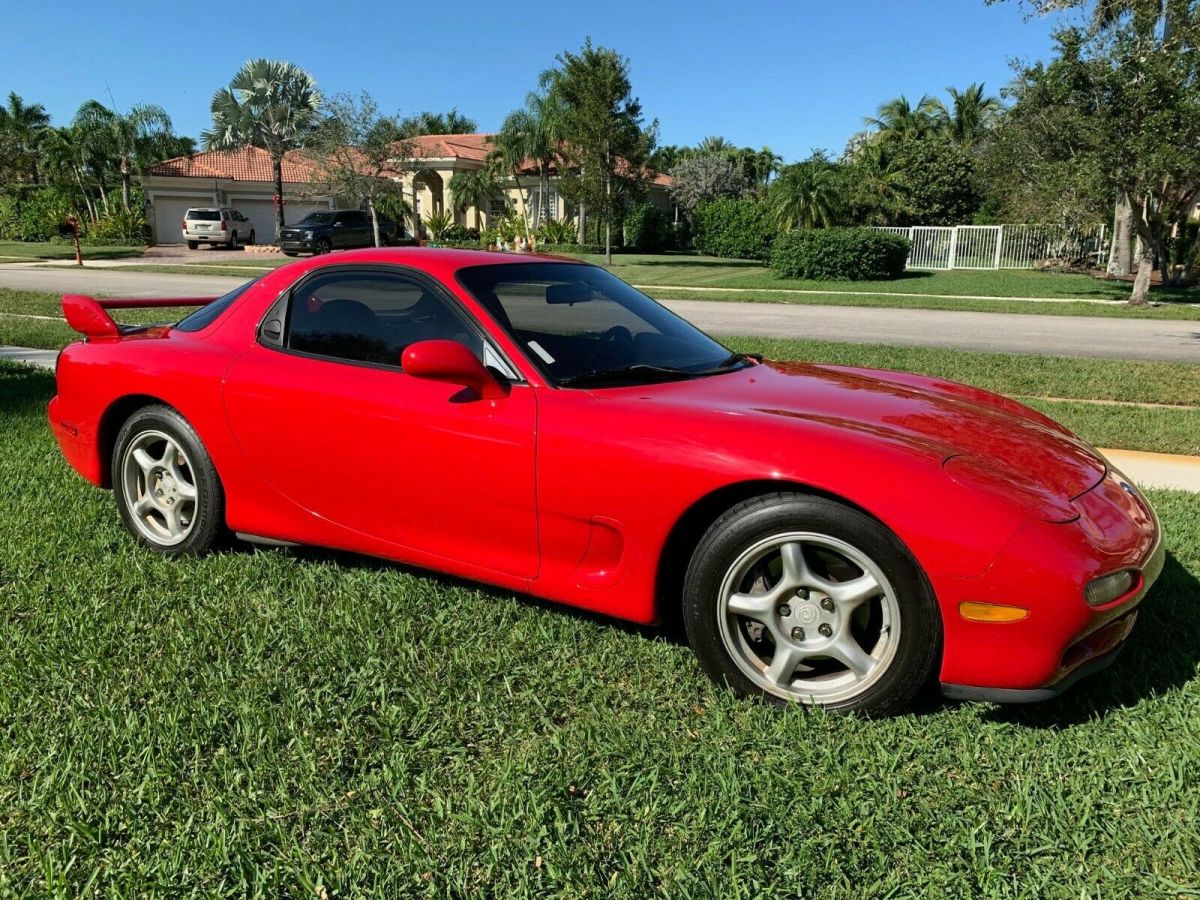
634	373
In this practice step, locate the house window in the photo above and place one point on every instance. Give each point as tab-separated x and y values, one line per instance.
497	207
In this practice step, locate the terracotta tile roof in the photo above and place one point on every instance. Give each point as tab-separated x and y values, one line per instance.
254	164
247	164
452	146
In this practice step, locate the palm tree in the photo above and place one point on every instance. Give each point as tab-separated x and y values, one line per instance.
716	145
532	133
22	126
65	156
806	195
452	122
131	140
474	187
268	104
969	114
897	119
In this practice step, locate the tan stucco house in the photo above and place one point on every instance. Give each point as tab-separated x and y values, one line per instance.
242	179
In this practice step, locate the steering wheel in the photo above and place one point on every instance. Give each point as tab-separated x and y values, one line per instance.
607	344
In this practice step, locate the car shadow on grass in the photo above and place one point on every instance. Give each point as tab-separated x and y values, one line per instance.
1161	655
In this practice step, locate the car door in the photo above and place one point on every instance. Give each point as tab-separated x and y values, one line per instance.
322	409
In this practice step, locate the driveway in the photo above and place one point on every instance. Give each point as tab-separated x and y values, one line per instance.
1147	339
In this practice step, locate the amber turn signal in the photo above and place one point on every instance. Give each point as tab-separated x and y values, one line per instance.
991	612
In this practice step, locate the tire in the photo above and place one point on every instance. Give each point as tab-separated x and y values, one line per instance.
289	253
252	238
750	595
193	245
321	247
233	241
165	485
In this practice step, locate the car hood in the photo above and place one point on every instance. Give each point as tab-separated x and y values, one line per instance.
978	435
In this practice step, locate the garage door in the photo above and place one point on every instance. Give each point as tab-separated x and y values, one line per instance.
169	213
261	214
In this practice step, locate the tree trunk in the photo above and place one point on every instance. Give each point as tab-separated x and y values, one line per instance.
277	172
126	185
374	221
582	222
1145	269
1119	255
608	218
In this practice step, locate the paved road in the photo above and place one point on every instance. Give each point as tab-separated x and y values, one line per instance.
1149	339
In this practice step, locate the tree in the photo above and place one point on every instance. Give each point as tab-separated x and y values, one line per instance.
475	187
533	133
359	152
935	182
132	140
22	125
699	179
452	122
897	119
806	195
606	145
1134	90
269	104
970	113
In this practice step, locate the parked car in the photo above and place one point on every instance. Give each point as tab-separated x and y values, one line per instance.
217	225
340	229
828	535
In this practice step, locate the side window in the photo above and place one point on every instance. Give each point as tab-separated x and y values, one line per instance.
371	317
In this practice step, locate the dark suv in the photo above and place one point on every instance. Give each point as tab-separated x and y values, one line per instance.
335	229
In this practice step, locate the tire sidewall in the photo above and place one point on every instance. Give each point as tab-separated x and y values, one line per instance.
210	520
920	621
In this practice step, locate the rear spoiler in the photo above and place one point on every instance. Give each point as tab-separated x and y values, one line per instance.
89	315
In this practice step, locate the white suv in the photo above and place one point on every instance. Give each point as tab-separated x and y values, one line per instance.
216	225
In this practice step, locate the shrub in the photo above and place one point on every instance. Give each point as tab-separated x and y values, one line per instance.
120	225
839	254
456	234
647	229
554	231
736	229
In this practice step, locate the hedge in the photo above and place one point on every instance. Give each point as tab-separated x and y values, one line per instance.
735	229
839	254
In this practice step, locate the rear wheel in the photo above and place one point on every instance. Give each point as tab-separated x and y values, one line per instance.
252	237
800	598
233	241
165	485
193	245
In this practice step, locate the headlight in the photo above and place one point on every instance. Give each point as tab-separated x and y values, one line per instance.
1108	588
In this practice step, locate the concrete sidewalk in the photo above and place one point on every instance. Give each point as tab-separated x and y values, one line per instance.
1151	470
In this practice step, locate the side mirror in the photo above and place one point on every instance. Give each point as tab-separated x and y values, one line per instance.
449	361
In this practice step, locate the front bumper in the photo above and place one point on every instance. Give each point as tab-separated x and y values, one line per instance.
297	245
1045	568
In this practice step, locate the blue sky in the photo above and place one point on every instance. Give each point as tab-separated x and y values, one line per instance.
793	75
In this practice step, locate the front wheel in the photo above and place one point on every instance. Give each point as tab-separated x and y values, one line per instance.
166	487
800	598
321	247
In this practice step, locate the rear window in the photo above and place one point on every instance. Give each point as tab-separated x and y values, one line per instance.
206	315
204	215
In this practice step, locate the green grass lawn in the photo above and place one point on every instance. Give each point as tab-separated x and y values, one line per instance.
266	723
25	251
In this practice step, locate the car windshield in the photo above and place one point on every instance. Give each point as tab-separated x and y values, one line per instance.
206	315
317	219
582	326
204	215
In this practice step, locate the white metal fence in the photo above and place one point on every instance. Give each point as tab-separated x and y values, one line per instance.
1000	246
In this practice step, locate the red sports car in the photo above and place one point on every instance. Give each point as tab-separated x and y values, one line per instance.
830	535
